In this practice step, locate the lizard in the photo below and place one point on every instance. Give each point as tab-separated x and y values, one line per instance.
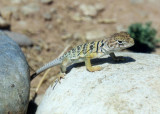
88	51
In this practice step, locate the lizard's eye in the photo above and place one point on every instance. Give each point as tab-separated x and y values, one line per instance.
120	42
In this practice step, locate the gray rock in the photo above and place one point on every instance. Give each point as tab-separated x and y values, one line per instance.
46	1
14	76
20	39
30	9
129	87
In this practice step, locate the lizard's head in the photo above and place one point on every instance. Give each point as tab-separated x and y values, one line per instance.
118	41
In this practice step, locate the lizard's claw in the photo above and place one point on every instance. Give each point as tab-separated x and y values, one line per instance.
59	76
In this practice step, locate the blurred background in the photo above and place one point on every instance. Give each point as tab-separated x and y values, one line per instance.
43	28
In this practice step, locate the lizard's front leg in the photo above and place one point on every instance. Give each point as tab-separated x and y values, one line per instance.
119	58
90	67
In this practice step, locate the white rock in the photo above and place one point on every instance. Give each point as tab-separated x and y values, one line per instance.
132	87
30	9
91	10
95	34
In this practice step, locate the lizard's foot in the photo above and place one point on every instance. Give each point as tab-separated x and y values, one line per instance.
59	76
94	68
119	58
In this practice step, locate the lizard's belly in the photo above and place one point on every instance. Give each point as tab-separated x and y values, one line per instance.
78	60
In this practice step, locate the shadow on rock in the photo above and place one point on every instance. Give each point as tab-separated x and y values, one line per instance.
102	61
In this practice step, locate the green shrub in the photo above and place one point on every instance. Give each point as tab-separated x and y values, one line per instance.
144	36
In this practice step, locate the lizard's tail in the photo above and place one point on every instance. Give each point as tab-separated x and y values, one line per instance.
45	67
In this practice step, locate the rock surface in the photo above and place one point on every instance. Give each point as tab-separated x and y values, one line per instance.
14	78
20	39
130	87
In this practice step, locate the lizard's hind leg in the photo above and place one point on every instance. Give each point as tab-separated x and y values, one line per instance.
63	66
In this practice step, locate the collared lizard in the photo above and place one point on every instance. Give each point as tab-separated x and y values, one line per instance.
88	51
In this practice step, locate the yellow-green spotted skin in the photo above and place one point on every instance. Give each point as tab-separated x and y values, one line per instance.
88	51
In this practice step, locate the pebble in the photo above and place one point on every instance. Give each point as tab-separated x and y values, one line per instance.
53	10
91	10
17	1
47	16
46	1
107	21
30	9
95	34
136	1
7	12
77	17
4	23
67	36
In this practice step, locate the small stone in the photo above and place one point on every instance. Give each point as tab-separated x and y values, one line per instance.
99	7
136	1
107	21
49	26
22	24
47	16
3	23
17	1
78	17
20	39
53	10
46	1
91	10
67	36
77	36
7	12
30	9
95	34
